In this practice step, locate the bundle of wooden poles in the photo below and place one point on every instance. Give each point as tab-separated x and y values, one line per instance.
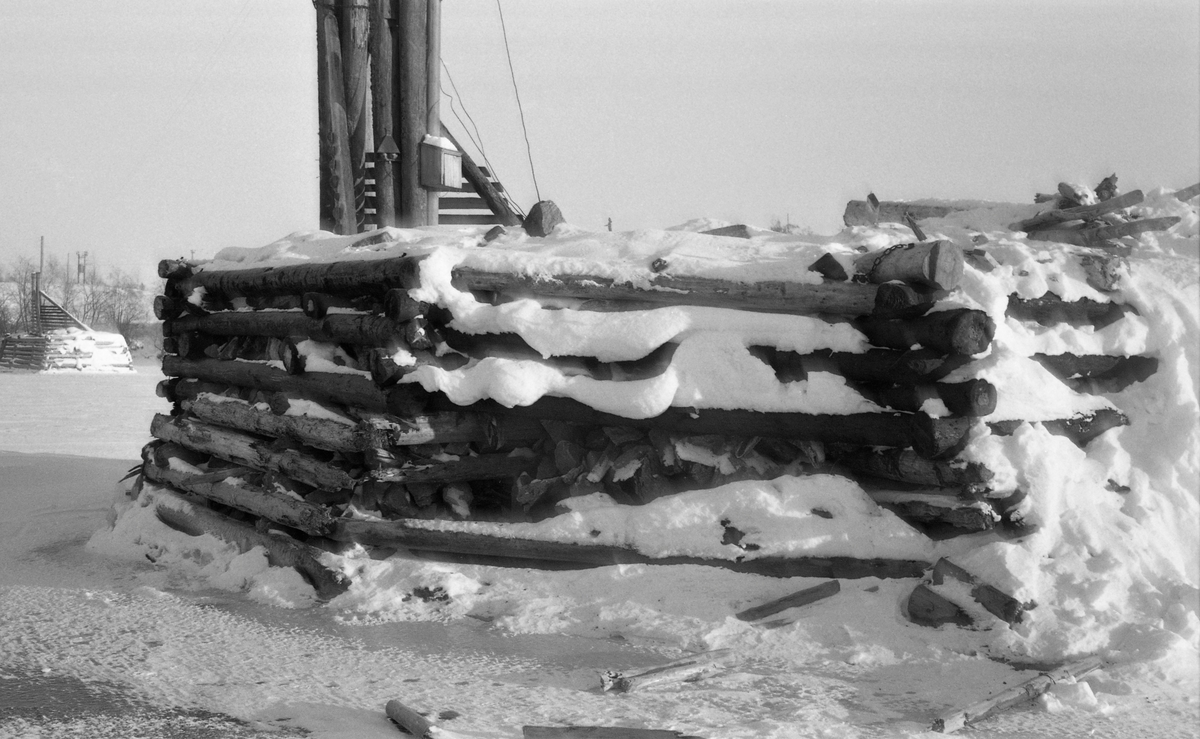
257	435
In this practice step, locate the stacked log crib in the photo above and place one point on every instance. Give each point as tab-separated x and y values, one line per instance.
312	399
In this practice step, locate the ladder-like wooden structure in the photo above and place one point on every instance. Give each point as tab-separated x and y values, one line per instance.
28	351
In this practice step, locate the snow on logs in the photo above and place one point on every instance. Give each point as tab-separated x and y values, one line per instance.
262	430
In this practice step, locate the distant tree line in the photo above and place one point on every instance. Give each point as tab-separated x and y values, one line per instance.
116	301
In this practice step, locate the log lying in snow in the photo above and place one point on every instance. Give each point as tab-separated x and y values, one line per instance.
998	603
1050	310
904	465
961	331
282	509
1080	429
930	437
282	551
371	277
927	608
1100	235
686	669
416	724
1187	193
881	366
936	265
249	451
1058	216
795	600
1113	370
415	536
1014	696
929	509
599	732
973	398
863	213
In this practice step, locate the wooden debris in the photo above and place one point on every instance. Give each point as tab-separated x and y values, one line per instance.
883	366
737	231
931	509
1080	429
414	723
282	551
996	602
1050	310
1099	236
599	732
1059	216
687	669
1017	695
795	600
903	465
863	213
937	265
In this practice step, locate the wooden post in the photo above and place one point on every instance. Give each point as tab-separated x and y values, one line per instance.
413	80
383	109
337	176
433	92
356	79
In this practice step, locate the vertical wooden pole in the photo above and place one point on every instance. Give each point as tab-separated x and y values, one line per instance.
337	178
433	86
413	82
382	45
353	31
35	317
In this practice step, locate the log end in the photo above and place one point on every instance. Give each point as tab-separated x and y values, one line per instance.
971	332
174	269
944	267
936	438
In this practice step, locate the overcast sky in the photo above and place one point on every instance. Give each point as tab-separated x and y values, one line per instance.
146	129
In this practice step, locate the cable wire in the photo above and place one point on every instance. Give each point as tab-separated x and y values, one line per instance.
512	73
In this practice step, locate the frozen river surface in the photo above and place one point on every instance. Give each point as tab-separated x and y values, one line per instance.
96	647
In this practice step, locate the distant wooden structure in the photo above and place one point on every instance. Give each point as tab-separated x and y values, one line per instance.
45	314
385	54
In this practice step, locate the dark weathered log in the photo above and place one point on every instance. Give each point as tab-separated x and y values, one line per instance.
1025	692
959	331
998	603
1049	218
412	535
315	432
399	306
930	437
927	608
391	468
898	300
353	30
338	328
737	231
937	265
795	600
904	465
1188	193
347	389
1050	310
1100	235
829	268
863	213
337	176
277	507
174	269
281	551
1081	429
382	45
968	515
599	732
687	668
409	720
1068	365
249	451
972	398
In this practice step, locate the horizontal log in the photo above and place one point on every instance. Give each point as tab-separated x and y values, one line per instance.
936	265
1081	429
282	509
687	668
930	437
249	451
737	231
282	551
1097	237
1025	692
1098	366
411	721
599	732
346	389
410	535
1058	216
904	465
1050	310
961	331
338	328
973	398
864	213
391	468
995	601
882	366
173	269
967	515
1188	193
795	600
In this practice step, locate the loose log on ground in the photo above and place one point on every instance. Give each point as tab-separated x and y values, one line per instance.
927	608
863	213
411	721
972	398
998	603
1081	429
904	465
931	437
277	507
1188	193
281	551
315	432
687	669
1049	310
1058	216
249	451
962	331
1099	236
937	265
795	600
1017	695
1098	366
929	509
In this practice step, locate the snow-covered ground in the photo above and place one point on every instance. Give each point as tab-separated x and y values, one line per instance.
178	625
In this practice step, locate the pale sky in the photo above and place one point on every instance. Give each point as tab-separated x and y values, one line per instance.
145	129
